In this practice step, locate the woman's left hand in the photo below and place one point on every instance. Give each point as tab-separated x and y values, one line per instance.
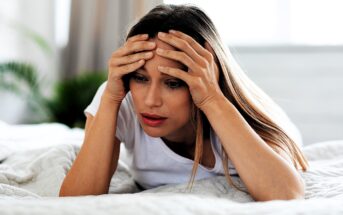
202	76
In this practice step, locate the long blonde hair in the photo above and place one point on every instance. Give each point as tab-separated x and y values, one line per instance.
262	114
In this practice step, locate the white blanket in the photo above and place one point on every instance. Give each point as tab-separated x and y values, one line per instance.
35	159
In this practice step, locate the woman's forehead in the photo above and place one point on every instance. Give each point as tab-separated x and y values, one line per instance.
161	44
158	60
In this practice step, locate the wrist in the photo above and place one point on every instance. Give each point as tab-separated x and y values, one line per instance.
215	104
111	99
108	106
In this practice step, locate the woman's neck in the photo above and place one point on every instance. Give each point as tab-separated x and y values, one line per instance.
185	136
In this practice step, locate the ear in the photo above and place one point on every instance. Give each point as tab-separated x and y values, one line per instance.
210	49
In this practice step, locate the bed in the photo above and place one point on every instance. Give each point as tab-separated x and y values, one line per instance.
34	160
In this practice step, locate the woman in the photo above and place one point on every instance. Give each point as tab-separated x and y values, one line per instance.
180	104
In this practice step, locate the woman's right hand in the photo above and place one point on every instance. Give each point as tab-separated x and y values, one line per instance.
128	58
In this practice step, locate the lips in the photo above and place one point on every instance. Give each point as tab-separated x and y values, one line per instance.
153	119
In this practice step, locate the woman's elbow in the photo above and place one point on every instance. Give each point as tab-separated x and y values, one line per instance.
63	192
292	195
298	190
295	190
288	193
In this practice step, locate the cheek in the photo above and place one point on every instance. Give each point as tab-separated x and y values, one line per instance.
180	106
137	95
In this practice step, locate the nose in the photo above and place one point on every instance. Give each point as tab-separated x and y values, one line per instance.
153	97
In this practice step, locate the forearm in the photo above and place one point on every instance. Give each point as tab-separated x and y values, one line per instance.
92	170
266	175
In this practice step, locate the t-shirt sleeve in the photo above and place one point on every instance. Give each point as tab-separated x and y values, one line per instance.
125	118
93	107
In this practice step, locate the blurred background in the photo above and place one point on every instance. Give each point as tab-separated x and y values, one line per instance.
53	55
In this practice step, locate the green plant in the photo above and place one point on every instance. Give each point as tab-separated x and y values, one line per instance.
70	97
21	79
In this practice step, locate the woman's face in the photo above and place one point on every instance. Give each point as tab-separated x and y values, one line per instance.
159	94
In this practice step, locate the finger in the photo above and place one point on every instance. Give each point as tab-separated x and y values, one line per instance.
138	37
131	39
197	47
178	56
131	47
180	44
132	58
177	73
130	67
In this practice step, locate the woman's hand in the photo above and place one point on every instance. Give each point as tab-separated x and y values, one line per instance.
202	76
128	58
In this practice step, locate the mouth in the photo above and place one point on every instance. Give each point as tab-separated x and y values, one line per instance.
152	119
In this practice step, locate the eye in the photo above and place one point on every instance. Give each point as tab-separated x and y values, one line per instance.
173	84
139	78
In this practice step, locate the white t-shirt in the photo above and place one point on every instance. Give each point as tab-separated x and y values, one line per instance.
151	162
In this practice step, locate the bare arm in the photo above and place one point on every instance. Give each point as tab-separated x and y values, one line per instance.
97	160
268	175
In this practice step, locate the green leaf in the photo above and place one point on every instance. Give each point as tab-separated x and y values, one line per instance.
72	96
33	36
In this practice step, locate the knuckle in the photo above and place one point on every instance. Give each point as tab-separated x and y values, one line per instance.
191	41
111	62
184	56
128	46
131	58
203	62
138	46
127	67
209	55
193	83
183	45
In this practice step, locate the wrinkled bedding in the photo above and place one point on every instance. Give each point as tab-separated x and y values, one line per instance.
34	160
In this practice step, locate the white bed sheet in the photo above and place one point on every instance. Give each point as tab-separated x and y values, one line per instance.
35	159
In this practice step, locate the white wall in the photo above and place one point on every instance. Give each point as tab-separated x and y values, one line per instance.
36	16
307	82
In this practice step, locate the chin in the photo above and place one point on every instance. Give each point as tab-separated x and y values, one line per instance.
154	131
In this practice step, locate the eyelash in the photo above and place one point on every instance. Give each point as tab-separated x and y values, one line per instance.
142	79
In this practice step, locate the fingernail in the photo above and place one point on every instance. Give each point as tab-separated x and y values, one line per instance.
161	68
148	54
172	31
162	34
144	35
159	50
151	44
